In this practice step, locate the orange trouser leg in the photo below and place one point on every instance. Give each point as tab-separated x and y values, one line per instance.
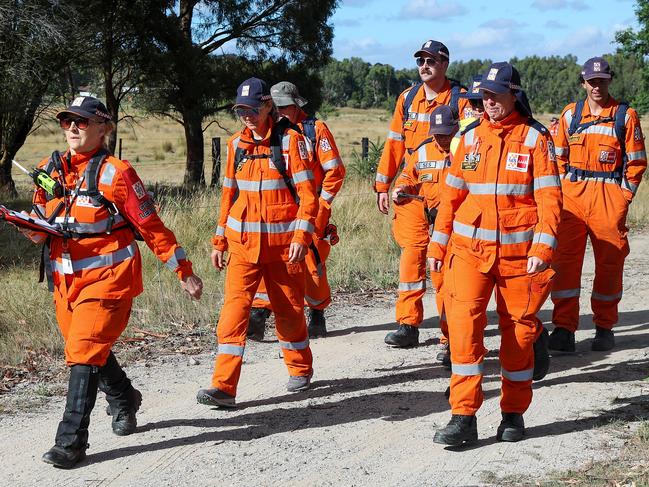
467	292
568	262
318	292
261	296
437	279
285	285
608	234
518	299
241	281
410	229
91	327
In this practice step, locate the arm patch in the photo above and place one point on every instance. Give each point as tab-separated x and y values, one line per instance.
139	206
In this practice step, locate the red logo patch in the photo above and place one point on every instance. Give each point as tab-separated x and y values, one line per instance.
608	156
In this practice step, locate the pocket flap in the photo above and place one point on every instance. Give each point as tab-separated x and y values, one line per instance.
469	213
518	217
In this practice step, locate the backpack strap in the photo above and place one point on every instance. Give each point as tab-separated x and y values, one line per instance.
576	117
620	132
308	126
276	152
407	101
92	180
456	88
470	127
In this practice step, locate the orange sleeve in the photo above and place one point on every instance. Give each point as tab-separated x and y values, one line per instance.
328	156
228	194
636	155
548	198
137	206
409	177
300	162
561	146
393	150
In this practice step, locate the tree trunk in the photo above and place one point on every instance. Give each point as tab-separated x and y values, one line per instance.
112	104
7	185
194	174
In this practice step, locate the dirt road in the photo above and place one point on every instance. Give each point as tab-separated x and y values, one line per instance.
369	419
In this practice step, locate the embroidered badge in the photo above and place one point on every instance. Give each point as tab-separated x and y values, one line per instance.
517	162
325	146
552	155
301	146
470	162
86	201
140	192
637	134
425	177
608	156
575	138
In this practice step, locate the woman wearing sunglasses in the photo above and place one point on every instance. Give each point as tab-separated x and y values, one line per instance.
268	209
95	269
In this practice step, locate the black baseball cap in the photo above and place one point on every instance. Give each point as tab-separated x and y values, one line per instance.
87	107
433	47
500	78
442	121
253	92
596	67
474	91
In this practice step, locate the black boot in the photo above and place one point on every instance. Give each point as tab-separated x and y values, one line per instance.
562	340
72	435
604	340
317	324
459	430
405	336
541	355
257	323
512	427
444	357
123	399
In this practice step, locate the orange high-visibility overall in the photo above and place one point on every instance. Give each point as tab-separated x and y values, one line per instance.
500	205
329	173
410	228
595	206
259	219
97	271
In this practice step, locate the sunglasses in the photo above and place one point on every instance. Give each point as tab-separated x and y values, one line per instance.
246	112
428	61
81	123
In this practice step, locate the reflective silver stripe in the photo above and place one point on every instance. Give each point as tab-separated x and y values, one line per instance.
301	176
468	137
600	130
532	137
41	208
395	135
566	293
420	117
412	286
294	345
580	179
455	182
421	153
517	375
107	174
228	349
304	225
262	296
286	142
263	227
229	183
568	117
439	237
328	197
97	261
179	254
329	165
606	297
637	155
380	178
264	185
313	302
546	239
467	369
547	182
499	189
424	164
561	151
470	231
629	186
627	117
98	227
220	231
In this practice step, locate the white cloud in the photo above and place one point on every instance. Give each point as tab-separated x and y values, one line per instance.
559	4
555	24
431	9
502	24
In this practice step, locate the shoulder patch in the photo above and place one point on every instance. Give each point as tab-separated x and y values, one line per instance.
301	146
325	146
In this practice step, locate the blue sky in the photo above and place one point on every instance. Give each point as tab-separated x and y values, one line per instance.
389	31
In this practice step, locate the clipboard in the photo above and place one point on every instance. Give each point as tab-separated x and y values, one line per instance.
28	222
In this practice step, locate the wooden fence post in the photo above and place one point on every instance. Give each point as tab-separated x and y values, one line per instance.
365	148
216	162
120	149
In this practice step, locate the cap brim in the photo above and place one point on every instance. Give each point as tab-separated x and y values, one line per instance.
471	96
443	130
248	103
81	113
285	101
494	87
430	53
596	75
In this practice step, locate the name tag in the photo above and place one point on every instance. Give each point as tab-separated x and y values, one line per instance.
61	219
470	162
66	264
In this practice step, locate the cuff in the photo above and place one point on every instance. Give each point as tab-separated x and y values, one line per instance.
302	237
184	270
220	243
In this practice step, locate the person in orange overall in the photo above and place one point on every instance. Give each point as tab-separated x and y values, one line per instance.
601	149
268	209
95	269
496	227
329	173
554	127
422	178
408	129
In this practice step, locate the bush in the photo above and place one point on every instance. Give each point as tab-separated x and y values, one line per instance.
366	168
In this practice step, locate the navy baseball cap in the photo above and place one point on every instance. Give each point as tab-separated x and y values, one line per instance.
474	90
433	47
500	78
253	93
596	67
87	107
442	121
